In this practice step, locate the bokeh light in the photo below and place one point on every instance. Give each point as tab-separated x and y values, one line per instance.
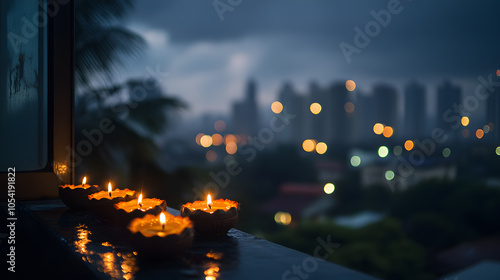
308	145
231	148
498	72
211	155
465	121
388	131
206	141
383	151
276	107
220	125
497	151
217	139
321	148
389	175
355	161
315	108
378	128
409	145
479	133
329	188
198	138
349	107
350	85
228	138
397	150
283	218
486	128
446	152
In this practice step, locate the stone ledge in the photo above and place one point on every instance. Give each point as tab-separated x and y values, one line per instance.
99	245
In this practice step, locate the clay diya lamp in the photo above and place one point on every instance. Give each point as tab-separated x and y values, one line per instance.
126	211
162	236
103	202
76	196
212	218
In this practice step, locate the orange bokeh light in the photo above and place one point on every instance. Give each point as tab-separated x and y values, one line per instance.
409	145
231	148
378	128
388	131
309	145
465	121
217	139
350	85
206	141
479	133
276	107
198	138
315	108
230	138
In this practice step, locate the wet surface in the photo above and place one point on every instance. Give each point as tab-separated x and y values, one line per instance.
103	247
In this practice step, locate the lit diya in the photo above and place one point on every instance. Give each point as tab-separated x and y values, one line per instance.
161	236
212	217
75	196
135	208
103	202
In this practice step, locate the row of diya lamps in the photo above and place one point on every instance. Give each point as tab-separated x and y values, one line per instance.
149	225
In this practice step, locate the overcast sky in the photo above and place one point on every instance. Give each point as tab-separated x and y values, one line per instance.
209	60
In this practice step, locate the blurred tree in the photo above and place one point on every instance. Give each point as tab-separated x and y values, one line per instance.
133	111
101	44
380	249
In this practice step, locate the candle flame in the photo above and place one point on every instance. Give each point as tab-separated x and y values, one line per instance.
109	189
139	200
209	201
162	221
84	181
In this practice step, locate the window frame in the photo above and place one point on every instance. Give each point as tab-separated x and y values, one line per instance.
43	183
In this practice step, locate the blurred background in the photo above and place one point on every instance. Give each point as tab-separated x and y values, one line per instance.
374	124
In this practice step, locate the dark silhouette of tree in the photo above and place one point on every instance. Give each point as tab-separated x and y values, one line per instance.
136	112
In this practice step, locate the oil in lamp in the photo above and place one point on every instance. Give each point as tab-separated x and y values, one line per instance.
161	236
135	208
75	196
212	217
103	202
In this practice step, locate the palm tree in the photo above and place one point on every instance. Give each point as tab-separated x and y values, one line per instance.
102	47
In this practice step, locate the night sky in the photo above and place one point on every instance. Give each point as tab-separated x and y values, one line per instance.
210	60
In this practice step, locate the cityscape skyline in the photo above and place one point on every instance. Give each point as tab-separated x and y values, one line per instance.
418	120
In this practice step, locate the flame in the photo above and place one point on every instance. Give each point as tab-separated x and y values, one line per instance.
209	201
162	220
109	189
139	200
84	181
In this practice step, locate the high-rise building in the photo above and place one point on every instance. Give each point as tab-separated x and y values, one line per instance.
337	121
244	116
363	117
385	99
448	96
294	104
316	127
415	111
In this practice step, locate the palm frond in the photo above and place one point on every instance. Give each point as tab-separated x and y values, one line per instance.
101	54
92	13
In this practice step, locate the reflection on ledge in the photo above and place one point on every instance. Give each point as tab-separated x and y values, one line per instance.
104	256
104	251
